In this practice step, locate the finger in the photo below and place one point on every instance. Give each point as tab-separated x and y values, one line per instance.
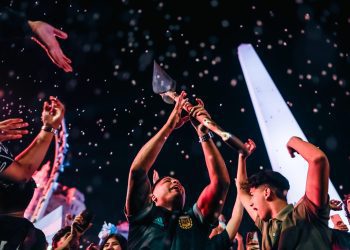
56	55
16	132
61	34
46	50
16	126
185	119
66	58
47	107
251	142
11	120
179	100
200	102
291	152
182	99
57	102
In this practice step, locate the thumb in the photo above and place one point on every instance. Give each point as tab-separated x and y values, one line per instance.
60	34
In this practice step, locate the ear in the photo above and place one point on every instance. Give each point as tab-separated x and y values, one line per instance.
155	176
268	194
154	198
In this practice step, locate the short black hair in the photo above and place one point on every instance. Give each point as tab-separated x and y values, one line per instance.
60	233
119	237
274	179
15	196
346	198
157	181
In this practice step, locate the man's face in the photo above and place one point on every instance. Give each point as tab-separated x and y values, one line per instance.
112	244
259	202
169	190
348	204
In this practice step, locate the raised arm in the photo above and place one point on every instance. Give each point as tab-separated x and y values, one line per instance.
28	161
15	24
139	187
242	178
212	198
318	172
235	220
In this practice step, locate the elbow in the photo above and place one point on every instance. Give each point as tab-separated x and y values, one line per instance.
320	159
137	172
222	184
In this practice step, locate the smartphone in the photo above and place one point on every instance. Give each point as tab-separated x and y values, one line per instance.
252	241
87	218
337	220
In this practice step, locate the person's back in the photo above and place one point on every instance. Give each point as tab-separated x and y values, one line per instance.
16	232
19	233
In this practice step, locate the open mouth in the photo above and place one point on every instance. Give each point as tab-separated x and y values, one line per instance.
175	187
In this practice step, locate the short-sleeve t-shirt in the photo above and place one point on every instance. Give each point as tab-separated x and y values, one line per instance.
304	226
6	158
19	233
159	229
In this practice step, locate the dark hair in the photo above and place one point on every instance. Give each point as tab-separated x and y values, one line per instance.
15	196
119	237
275	180
60	233
156	183
346	198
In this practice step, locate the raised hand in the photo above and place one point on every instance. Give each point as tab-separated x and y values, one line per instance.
175	119
250	145
53	113
335	205
12	129
46	38
290	149
196	112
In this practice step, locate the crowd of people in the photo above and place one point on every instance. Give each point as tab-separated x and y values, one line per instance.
156	211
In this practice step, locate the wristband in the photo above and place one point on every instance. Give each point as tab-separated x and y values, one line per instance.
206	137
48	128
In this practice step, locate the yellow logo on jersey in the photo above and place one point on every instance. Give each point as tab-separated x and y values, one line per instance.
185	222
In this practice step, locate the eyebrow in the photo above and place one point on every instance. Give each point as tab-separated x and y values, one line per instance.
166	179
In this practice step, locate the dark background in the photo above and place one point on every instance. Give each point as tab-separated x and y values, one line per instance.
112	112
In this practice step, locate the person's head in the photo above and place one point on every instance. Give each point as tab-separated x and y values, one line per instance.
114	242
61	239
15	197
266	187
168	192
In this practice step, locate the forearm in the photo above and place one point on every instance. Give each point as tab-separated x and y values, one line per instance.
240	245
241	174
149	152
212	199
307	150
235	220
30	159
216	166
243	194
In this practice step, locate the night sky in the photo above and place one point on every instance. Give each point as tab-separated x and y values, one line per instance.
112	112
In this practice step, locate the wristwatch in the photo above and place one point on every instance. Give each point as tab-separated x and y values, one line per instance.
49	129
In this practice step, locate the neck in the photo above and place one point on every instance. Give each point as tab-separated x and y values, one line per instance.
277	206
168	206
